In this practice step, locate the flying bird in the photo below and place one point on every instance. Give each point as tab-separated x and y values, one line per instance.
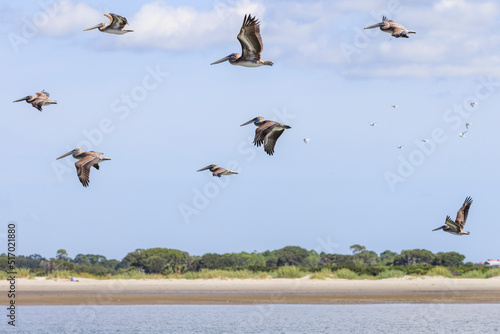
85	161
472	104
457	227
251	46
400	147
372	124
394	106
307	140
395	29
116	26
41	99
267	133
462	134
218	171
425	140
467	125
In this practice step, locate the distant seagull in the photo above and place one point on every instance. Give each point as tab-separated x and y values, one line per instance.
251	46
395	29
41	99
267	133
462	134
467	125
85	161
394	106
372	124
425	140
307	140
116	26
457	227
400	147
472	104
218	171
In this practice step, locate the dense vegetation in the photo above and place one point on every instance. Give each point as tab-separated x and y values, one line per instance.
290	261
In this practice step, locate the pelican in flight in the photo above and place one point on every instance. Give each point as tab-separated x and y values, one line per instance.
462	134
267	133
457	227
400	147
41	99
85	161
114	27
251	46
218	171
467	125
394	105
395	29
472	104
425	140
372	124
307	140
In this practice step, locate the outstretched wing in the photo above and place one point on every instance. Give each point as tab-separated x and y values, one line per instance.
262	131
117	21
43	94
250	39
463	212
83	168
452	225
270	140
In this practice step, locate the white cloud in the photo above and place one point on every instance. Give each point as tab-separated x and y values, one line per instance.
69	16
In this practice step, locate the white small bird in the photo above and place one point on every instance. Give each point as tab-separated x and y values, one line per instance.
467	125
372	124
462	134
400	147
425	140
394	106
472	104
307	140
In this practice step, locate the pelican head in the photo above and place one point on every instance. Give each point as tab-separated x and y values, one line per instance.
74	152
231	57
209	167
255	121
100	25
26	98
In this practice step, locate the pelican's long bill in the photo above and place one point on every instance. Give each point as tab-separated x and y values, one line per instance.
65	155
375	25
250	121
94	27
22	99
205	168
231	56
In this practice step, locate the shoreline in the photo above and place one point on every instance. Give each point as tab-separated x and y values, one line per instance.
436	290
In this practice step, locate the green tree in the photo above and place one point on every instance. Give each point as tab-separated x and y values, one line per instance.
62	255
449	259
414	257
356	249
292	256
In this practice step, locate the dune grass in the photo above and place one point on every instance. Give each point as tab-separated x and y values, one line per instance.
345	274
221	274
492	273
288	272
473	274
390	273
323	274
439	271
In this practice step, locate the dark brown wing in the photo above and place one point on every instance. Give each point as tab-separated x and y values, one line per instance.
463	212
83	168
118	21
271	138
452	225
250	39
262	131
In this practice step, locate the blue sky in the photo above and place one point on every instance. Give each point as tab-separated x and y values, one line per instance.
151	101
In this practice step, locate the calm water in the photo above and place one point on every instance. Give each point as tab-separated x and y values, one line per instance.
392	318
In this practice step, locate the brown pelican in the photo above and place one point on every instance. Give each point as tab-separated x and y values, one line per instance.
400	147
85	161
394	105
457	227
114	27
472	104
307	140
372	124
251	46
267	133
467	125
218	171
462	134
41	99
395	29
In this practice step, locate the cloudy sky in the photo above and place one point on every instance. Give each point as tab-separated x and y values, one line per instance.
150	101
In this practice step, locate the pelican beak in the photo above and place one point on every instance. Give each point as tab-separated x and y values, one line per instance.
23	99
439	228
222	60
204	168
375	25
250	121
65	155
94	27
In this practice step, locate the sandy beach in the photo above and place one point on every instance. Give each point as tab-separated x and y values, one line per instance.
42	291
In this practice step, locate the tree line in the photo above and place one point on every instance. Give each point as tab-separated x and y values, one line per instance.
168	261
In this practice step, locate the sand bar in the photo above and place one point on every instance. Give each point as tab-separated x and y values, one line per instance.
42	291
